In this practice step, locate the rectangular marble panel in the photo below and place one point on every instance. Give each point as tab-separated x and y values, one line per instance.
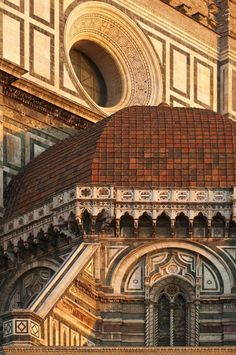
38	150
159	46
13	149
41	54
15	4
179	71
43	11
175	102
12	28
203	84
234	90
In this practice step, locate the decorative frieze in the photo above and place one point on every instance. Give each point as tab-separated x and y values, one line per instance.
116	202
45	107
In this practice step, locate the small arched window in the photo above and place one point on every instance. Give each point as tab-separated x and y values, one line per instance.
87	222
100	220
163	226
181	226
199	226
145	228
218	226
127	226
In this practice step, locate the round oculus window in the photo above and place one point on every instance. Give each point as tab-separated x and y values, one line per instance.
97	72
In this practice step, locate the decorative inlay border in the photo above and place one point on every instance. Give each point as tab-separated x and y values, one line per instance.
172	71
106	24
39	19
14	6
32	47
21	327
115	203
210	67
21	34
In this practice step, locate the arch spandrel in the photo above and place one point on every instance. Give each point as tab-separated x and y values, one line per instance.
135	255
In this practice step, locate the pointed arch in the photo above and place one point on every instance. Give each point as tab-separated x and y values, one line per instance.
218	226
181	226
163	226
200	226
145	226
115	279
86	222
101	217
127	226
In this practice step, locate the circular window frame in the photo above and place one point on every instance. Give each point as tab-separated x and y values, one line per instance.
118	60
124	41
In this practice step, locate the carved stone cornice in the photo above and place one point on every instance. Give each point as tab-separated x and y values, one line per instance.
45	107
10	72
6	78
102	297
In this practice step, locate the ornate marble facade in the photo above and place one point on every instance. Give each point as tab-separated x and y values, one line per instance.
129	240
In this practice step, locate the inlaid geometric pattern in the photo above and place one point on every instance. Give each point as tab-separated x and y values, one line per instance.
7	328
180	71
209	279
89	269
34	329
43	14
135	279
41	54
15	4
21	326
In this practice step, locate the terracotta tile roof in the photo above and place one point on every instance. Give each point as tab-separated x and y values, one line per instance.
139	147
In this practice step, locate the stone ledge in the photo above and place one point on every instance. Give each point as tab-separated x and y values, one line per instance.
16	350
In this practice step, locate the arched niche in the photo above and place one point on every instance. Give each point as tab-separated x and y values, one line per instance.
86	222
181	226
163	226
218	226
127	226
145	227
200	226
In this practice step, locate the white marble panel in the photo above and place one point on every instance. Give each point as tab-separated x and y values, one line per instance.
180	71
41	57
41	8
11	38
203	84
